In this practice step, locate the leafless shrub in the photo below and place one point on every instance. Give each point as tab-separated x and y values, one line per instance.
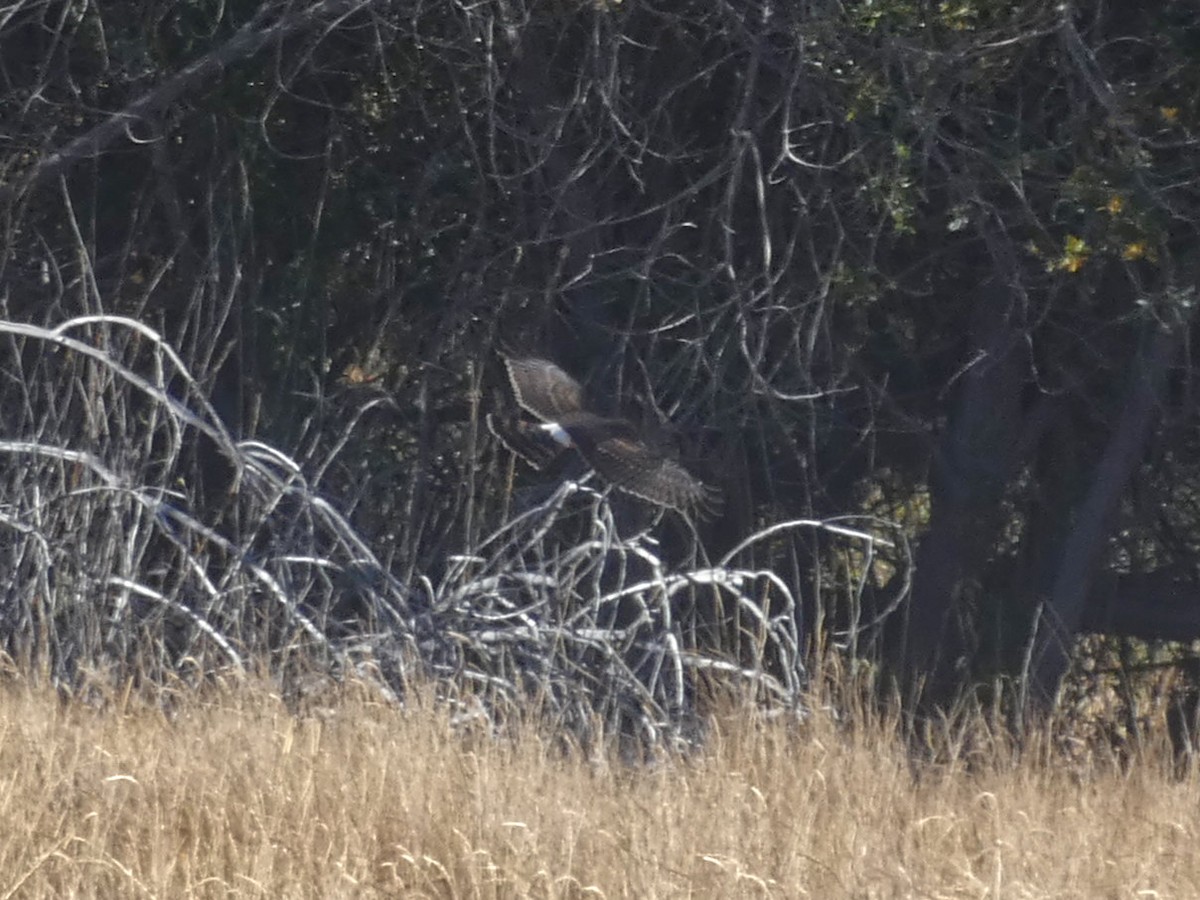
142	539
141	533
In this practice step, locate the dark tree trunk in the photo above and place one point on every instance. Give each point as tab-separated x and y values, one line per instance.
973	462
1082	555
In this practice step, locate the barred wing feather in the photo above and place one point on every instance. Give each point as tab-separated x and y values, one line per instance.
543	389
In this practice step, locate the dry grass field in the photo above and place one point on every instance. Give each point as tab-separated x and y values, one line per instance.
231	795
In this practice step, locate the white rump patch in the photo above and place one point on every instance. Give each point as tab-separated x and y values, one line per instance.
556	431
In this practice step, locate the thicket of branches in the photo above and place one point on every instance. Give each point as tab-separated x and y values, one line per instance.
931	265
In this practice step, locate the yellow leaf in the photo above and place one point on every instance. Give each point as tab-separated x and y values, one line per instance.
1116	203
1136	250
1075	254
356	374
1170	113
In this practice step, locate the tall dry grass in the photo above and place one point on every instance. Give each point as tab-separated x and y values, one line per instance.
231	795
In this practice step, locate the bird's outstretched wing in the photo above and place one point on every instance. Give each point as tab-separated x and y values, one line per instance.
613	448
543	389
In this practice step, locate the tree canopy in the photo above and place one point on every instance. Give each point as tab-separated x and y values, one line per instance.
929	264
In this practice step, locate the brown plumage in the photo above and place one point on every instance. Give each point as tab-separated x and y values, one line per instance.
613	447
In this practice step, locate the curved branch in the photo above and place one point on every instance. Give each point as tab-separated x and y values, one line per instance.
248	40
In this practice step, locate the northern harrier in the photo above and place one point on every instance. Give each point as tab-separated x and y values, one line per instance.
613	447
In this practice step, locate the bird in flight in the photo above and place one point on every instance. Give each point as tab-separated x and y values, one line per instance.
614	448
